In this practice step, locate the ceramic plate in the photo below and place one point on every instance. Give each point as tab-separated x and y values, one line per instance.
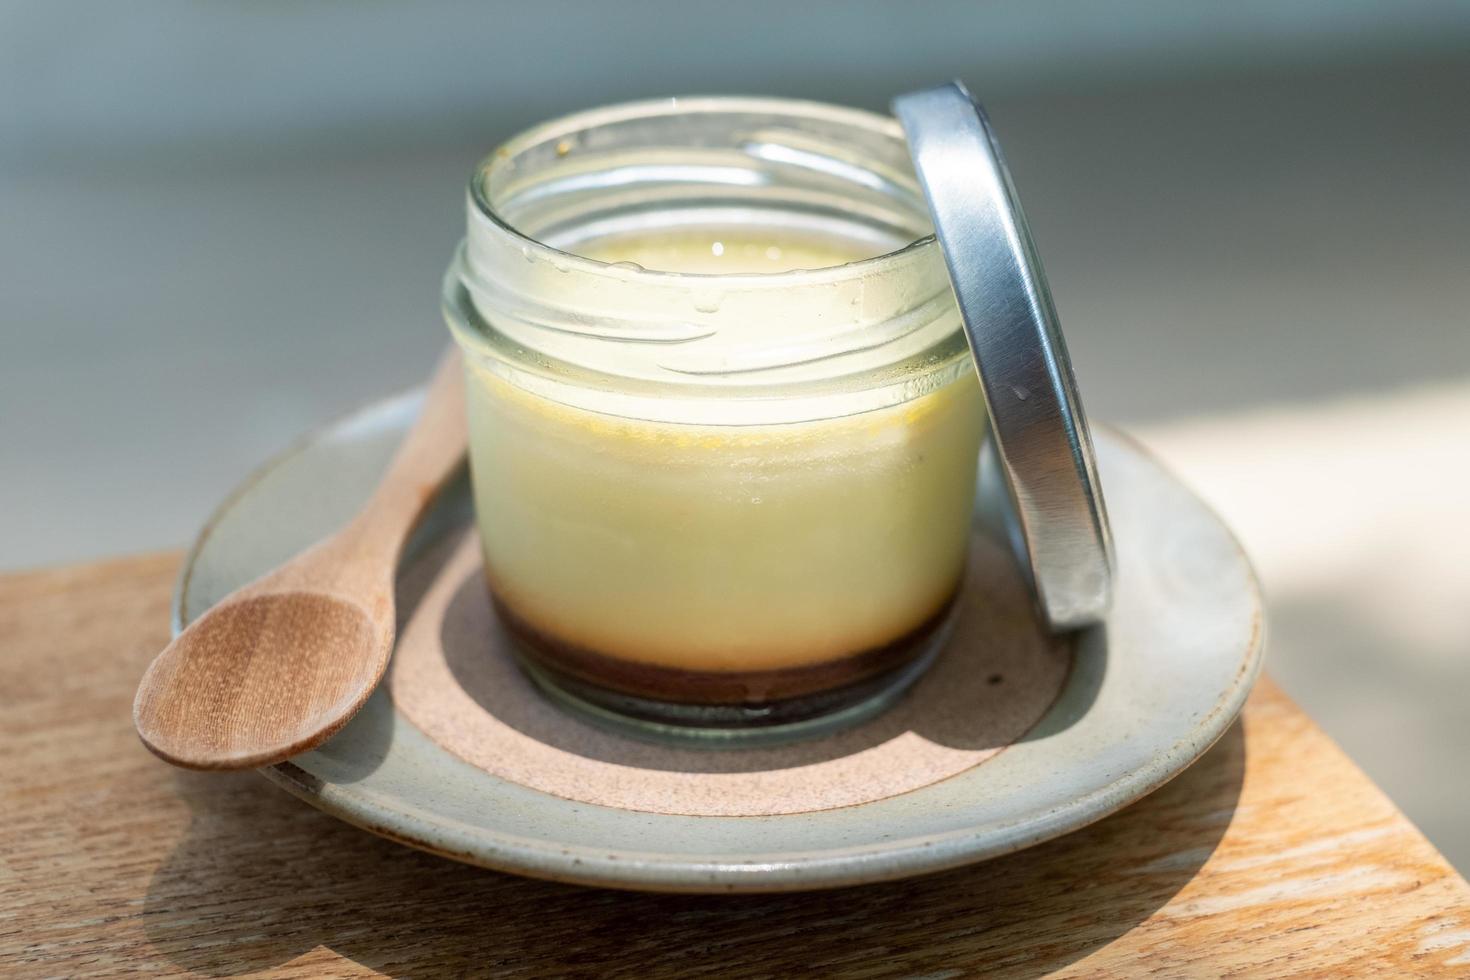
1147	695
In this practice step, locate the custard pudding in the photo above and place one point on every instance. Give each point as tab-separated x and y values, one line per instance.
728	563
723	417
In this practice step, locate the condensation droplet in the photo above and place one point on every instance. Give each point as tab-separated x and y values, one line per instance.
707	302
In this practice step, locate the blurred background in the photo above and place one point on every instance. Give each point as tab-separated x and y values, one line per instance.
1255	217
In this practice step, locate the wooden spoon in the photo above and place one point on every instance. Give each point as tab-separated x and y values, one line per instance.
281	664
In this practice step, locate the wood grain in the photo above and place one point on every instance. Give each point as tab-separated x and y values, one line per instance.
1272	856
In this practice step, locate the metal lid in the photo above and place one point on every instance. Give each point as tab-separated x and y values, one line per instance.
1058	525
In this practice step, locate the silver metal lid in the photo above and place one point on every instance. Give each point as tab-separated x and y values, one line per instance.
1058	524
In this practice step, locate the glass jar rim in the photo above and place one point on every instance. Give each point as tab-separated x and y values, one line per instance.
682	346
586	119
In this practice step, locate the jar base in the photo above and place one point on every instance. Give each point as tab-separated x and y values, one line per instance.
740	723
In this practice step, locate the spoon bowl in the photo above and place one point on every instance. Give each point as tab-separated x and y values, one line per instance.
318	647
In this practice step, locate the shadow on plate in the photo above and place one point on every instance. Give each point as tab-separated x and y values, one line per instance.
1000	679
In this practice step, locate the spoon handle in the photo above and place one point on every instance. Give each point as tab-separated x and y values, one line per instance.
433	449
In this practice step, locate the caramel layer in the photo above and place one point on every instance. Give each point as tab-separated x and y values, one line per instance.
715	687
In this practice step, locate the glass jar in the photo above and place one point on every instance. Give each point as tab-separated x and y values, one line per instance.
723	419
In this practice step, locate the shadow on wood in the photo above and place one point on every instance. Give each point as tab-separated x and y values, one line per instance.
307	881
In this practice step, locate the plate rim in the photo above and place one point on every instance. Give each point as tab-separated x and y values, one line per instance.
836	867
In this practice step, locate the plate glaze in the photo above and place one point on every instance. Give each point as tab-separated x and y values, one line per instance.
1147	695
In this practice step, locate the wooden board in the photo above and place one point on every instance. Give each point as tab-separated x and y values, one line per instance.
1273	855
